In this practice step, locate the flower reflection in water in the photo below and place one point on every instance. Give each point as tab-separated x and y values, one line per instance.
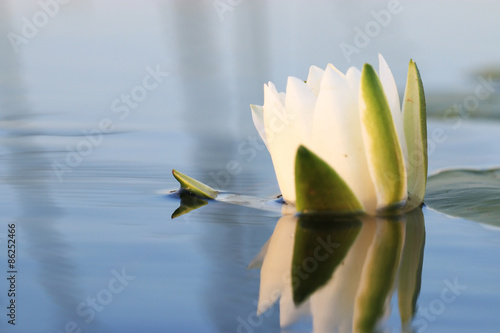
342	273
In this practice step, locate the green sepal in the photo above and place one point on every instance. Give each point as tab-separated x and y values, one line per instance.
384	154
415	128
194	186
319	188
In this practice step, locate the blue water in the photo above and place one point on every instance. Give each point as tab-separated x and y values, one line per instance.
96	248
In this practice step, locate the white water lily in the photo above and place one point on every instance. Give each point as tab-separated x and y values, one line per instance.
354	122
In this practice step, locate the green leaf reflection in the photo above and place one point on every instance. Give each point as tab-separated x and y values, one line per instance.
321	243
410	270
342	272
189	202
379	272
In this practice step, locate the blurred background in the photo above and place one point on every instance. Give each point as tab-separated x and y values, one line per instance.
71	64
99	100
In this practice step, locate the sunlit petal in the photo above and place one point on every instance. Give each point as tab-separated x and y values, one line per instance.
282	140
337	136
391	92
300	102
314	79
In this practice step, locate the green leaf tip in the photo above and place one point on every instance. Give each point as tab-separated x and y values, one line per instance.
415	128
384	153
319	188
194	186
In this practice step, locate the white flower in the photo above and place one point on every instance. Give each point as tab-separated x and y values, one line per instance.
354	123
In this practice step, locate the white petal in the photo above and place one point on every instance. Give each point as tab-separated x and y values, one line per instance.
353	76
271	94
337	136
258	121
282	97
331	66
289	313
314	79
300	101
391	93
282	140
